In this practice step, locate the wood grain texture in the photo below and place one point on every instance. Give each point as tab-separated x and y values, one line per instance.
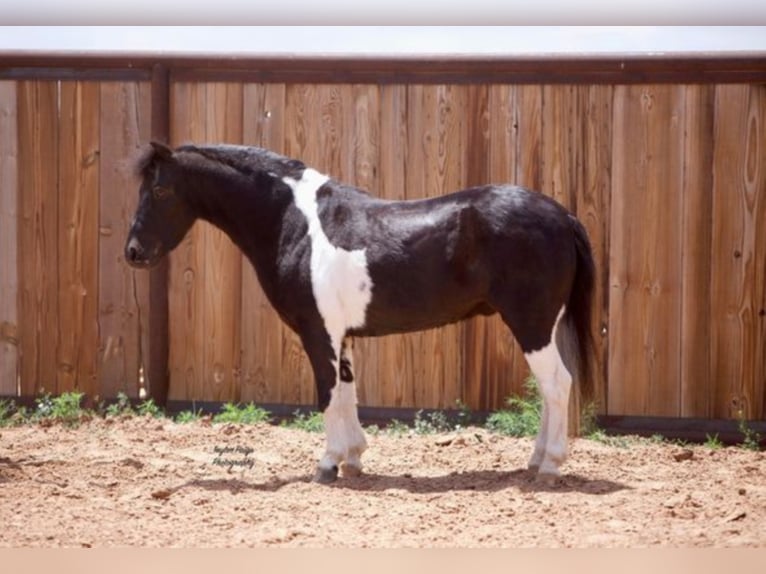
593	197
123	291
696	388
78	203
739	209
264	335
9	246
645	258
38	235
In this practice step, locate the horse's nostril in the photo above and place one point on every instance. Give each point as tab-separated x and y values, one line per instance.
133	251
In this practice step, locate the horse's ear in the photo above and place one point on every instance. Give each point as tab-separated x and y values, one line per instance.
161	150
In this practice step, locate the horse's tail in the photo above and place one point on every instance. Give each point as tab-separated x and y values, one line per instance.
578	314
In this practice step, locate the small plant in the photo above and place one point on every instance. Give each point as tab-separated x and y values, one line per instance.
248	414
185	417
713	442
64	409
121	407
522	418
614	441
7	409
149	409
313	422
431	423
397	428
751	440
464	415
372	430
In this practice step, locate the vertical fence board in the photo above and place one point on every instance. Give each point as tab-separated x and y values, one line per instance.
592	208
696	395
645	261
186	277
737	338
38	226
222	291
9	280
78	146
264	335
123	292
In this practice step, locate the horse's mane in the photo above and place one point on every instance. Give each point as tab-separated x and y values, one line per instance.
244	159
247	160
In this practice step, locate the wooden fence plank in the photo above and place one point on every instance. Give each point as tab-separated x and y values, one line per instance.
592	208
186	276
38	225
78	157
123	291
222	294
696	391
645	260
9	279
264	334
739	209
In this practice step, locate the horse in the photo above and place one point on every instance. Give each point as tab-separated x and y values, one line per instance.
336	262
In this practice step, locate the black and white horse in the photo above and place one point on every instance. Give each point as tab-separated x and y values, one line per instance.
336	263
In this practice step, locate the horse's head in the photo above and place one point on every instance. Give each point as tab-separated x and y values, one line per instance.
163	217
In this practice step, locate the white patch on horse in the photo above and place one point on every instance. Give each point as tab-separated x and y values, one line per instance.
342	289
554	381
339	278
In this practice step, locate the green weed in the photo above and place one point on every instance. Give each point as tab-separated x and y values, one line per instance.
63	409
185	417
751	440
313	422
121	407
244	414
522	417
7	410
149	409
431	423
713	442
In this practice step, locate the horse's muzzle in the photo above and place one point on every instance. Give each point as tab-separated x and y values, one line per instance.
138	256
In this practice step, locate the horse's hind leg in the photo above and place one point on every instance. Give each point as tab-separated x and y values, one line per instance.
555	382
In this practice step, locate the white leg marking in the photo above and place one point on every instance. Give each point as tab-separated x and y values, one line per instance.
342	289
555	382
345	437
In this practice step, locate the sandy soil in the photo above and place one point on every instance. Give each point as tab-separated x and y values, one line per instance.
147	482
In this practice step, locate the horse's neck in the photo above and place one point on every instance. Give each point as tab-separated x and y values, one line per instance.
245	211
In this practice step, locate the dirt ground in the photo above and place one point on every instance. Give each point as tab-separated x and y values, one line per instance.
148	482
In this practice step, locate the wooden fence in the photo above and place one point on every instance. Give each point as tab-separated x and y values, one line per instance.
664	161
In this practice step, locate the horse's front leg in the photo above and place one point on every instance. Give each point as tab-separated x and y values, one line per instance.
336	393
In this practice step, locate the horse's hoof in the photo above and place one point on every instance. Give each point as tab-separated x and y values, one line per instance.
326	475
533	468
351	471
548	478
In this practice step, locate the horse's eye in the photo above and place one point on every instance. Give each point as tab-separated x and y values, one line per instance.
159	191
